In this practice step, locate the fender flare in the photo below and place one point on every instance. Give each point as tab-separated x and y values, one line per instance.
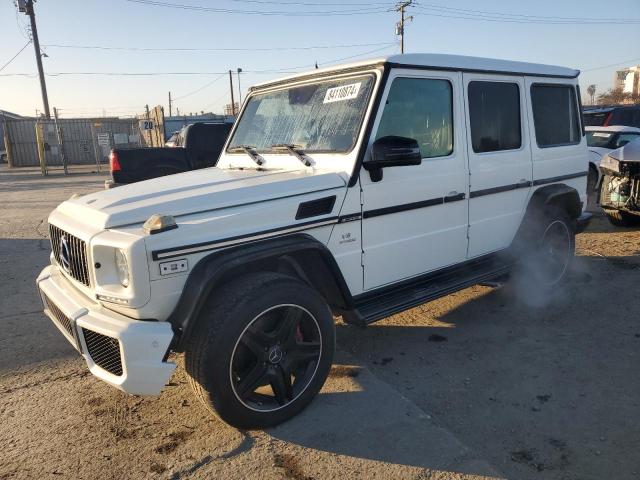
557	194
299	255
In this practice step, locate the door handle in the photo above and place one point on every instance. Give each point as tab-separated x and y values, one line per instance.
454	197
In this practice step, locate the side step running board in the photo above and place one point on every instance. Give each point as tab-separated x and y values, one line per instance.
381	303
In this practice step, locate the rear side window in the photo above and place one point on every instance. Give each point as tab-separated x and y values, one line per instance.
555	115
494	114
421	109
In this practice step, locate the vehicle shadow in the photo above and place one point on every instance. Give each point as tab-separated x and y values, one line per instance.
516	383
28	336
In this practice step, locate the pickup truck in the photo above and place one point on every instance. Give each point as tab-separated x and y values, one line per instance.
198	146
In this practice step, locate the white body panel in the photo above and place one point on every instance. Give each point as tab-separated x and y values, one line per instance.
415	241
494	218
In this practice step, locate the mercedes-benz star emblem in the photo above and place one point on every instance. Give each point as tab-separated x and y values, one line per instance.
275	354
65	254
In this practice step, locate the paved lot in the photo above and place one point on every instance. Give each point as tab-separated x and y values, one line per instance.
481	384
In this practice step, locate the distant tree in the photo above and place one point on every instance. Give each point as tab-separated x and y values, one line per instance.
591	90
613	97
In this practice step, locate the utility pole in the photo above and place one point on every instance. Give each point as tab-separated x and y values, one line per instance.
239	89
36	44
170	104
401	7
233	104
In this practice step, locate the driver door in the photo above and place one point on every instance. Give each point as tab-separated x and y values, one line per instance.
415	218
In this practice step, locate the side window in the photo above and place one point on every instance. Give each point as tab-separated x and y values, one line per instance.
555	115
494	115
421	109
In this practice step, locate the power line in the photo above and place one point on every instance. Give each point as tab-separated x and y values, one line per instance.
200	89
285	13
149	74
15	56
445	12
314	4
611	65
216	49
542	18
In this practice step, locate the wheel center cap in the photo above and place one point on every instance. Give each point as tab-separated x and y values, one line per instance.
275	354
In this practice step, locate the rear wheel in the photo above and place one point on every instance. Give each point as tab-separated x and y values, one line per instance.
548	254
261	350
622	219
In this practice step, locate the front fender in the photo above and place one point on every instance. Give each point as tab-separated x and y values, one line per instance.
299	255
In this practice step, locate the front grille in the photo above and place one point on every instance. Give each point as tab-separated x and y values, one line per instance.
75	258
59	316
104	351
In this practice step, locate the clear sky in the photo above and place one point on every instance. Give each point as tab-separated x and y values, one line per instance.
543	31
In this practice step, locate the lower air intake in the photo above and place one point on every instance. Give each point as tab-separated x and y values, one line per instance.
104	351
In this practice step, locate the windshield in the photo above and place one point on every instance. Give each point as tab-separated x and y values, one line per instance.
599	139
319	117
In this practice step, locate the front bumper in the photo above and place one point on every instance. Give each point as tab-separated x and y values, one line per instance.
128	354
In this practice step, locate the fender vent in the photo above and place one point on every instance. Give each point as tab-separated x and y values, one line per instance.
313	208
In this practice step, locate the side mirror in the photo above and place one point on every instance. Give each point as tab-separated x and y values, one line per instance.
622	143
392	151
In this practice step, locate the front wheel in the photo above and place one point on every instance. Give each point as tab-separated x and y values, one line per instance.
261	350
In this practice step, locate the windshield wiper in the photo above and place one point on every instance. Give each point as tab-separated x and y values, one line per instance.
295	150
249	150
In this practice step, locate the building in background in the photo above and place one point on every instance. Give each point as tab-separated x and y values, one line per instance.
8	116
627	80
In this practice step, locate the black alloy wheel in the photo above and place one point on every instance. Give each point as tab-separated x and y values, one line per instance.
276	357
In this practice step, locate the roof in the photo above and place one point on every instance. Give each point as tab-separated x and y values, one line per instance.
613	128
13	116
606	108
447	62
629	153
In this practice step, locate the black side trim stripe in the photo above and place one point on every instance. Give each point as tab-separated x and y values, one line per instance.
503	188
542	181
225	242
413	206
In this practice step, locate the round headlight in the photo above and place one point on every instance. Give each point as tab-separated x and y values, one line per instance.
122	267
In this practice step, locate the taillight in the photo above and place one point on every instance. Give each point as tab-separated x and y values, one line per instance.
607	120
114	164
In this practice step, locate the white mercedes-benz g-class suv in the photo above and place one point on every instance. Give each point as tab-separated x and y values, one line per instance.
358	191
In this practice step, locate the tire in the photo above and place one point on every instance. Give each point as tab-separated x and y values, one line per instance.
592	180
622	219
261	330
547	256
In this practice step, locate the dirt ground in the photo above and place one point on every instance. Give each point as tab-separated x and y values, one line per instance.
481	384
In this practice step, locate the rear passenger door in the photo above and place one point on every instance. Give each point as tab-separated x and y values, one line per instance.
499	159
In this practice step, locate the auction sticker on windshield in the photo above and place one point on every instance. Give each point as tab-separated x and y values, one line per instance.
344	92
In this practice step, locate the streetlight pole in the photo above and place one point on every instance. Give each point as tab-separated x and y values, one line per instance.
239	89
36	44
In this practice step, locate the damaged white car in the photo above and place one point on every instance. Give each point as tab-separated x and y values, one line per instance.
620	191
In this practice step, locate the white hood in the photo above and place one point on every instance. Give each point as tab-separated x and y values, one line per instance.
195	191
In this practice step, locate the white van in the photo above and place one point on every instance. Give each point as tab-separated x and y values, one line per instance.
359	190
